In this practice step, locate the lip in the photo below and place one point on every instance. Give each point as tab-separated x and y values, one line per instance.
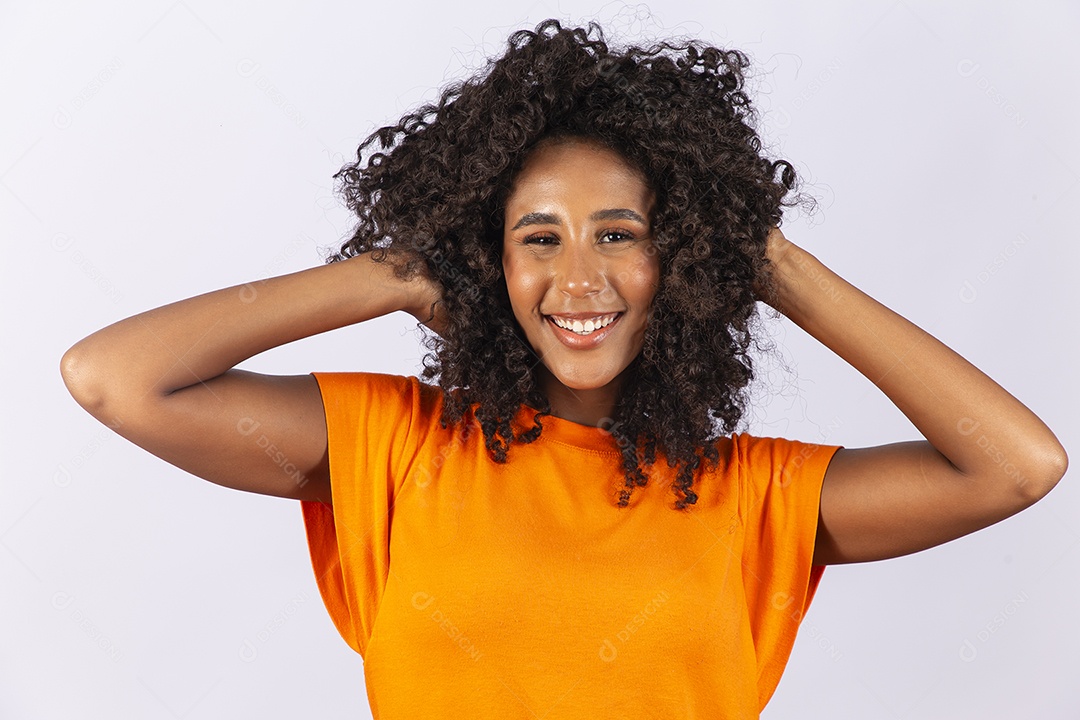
585	315
582	342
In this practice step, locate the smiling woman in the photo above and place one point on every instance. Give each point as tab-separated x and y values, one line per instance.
581	271
493	194
589	233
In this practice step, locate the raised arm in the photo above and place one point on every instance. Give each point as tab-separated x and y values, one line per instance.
985	457
164	379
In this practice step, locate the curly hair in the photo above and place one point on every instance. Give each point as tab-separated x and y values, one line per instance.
679	113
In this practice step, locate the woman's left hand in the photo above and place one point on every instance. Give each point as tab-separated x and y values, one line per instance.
776	246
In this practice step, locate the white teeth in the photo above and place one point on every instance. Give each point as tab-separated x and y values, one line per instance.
587	327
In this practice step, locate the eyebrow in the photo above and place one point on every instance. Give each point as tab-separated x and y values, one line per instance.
540	218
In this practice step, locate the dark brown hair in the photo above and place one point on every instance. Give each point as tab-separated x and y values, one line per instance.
437	188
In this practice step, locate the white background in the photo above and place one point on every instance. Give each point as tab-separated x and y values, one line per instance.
150	152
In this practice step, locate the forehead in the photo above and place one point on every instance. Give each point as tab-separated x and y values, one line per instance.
578	170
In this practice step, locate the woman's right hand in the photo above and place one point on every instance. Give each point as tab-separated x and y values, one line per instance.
429	308
435	317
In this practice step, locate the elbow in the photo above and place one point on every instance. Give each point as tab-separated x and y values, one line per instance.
75	372
1044	475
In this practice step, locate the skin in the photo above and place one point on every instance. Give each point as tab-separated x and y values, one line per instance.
984	457
571	263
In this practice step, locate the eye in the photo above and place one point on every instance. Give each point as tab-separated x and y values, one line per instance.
535	239
608	238
619	234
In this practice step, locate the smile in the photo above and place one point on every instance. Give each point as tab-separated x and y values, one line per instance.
580	335
586	327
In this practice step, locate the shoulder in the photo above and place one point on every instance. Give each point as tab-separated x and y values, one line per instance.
355	384
373	400
764	448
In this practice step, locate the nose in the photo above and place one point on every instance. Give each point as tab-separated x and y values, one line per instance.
579	270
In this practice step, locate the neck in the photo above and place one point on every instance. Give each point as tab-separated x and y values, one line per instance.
594	407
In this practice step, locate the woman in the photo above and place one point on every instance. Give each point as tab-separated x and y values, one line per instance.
588	232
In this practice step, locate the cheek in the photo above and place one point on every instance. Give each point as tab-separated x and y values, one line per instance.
641	277
520	284
652	270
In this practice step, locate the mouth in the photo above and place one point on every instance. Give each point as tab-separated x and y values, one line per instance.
584	324
582	334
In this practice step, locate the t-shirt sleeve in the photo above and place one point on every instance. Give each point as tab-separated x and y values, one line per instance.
374	425
779	497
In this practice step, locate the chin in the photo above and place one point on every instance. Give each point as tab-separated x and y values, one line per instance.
586	384
584	380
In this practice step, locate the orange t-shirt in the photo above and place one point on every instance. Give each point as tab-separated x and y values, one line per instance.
477	589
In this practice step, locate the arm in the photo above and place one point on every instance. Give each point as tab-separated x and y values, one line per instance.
985	457
164	379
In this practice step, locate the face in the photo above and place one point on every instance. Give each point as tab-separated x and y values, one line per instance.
577	251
